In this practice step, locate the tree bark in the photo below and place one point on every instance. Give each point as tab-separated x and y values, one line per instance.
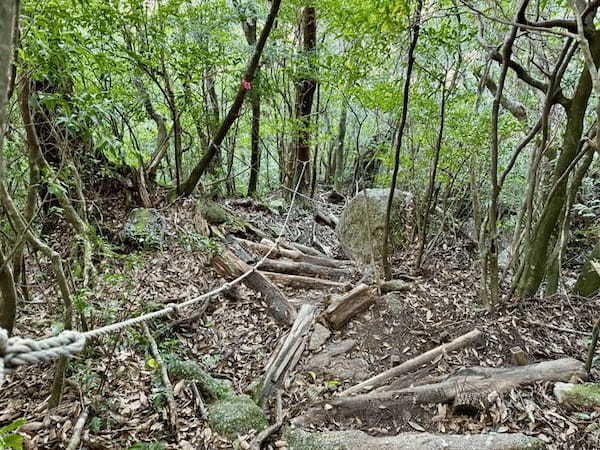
534	265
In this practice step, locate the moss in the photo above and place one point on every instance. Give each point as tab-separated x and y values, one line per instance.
212	212
188	370
589	281
236	415
145	227
586	395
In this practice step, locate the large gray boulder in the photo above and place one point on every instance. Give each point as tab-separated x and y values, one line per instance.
298	439
360	228
145	227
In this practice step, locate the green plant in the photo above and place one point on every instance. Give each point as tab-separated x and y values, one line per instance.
148	446
9	439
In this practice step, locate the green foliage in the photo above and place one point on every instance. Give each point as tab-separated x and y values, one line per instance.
9	438
148	446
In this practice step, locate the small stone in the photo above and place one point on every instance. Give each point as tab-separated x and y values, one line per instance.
280	444
319	337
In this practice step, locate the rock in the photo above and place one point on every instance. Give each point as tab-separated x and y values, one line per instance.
334	196
212	212
588	282
145	227
236	415
351	440
363	221
332	363
578	396
319	336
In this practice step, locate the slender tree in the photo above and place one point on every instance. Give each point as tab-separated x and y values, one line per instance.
416	28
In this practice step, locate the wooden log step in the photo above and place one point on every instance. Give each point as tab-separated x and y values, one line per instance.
229	266
266	245
303	268
415	363
343	308
288	353
303	282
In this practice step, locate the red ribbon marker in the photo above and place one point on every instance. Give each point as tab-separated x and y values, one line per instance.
246	85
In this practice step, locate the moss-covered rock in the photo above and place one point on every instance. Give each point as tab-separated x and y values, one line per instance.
228	414
214	213
236	415
588	282
578	396
363	221
145	227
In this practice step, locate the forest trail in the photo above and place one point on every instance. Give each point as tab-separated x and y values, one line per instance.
234	336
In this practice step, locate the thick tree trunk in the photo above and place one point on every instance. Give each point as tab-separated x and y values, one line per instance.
8	295
534	266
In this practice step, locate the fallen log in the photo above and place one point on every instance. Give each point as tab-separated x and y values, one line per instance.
393	286
343	308
303	248
474	387
328	219
298	439
302	268
165	380
229	266
266	245
287	354
300	281
78	430
414	363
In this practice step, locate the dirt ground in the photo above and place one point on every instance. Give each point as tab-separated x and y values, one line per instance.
234	337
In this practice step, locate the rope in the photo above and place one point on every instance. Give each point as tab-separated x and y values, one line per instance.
17	351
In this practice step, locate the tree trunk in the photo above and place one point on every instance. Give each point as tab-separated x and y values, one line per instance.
385	256
534	265
339	149
305	91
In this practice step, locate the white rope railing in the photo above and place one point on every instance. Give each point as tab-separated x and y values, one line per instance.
16	351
